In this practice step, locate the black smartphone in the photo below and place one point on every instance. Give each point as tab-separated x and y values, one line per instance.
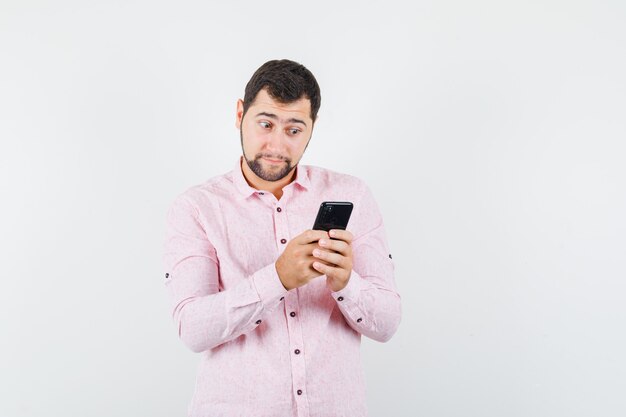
333	215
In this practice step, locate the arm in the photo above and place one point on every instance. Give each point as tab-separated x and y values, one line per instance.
367	296
205	316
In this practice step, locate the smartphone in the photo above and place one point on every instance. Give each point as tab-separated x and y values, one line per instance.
333	215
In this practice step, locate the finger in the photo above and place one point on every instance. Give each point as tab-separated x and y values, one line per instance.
332	258
319	261
330	271
310	236
311	268
310	247
335	245
344	235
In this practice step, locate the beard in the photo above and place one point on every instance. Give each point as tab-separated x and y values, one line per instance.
275	174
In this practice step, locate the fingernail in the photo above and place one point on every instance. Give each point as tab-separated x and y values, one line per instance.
316	252
332	233
323	242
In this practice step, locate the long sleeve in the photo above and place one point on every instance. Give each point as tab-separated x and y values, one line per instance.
205	316
370	301
266	351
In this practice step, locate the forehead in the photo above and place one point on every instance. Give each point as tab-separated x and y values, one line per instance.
263	102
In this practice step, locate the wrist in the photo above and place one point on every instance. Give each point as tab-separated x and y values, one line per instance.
282	276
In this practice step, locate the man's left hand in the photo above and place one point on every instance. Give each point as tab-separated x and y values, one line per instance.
338	253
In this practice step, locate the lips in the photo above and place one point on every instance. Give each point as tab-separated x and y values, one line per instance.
273	161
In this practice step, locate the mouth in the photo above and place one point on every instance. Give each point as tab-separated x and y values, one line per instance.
273	161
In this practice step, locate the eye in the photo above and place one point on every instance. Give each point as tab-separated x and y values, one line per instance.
293	131
265	125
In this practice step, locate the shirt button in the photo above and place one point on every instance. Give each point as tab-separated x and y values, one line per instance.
340	299
359	320
292	314
282	298
261	193
283	241
299	392
390	256
278	209
258	322
297	351
167	275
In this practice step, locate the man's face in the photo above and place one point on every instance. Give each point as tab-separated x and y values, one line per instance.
274	135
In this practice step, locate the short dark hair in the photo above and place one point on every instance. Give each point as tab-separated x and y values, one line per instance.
285	81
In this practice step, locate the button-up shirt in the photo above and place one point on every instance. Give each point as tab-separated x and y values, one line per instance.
266	351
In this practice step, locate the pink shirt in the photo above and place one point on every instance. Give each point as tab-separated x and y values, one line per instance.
266	351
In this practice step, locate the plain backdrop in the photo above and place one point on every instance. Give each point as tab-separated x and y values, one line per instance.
492	134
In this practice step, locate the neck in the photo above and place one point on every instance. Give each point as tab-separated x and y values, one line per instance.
275	187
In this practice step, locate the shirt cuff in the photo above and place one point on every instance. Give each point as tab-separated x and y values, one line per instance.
268	285
348	300
351	290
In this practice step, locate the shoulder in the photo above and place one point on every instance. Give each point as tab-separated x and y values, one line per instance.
202	194
339	186
327	178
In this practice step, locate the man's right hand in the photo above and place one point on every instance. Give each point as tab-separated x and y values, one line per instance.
295	264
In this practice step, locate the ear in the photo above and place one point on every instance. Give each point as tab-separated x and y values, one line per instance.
239	114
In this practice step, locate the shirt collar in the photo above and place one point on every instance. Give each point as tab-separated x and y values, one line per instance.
302	179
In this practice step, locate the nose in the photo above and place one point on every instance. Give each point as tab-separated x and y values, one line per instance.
275	141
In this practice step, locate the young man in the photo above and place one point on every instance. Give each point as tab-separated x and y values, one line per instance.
275	309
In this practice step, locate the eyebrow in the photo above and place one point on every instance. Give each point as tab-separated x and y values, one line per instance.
273	116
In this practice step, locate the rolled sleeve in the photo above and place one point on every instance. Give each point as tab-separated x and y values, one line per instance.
205	316
370	301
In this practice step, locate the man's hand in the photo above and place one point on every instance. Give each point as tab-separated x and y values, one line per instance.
295	264
334	258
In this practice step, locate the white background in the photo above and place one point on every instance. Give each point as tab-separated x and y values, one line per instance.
492	133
